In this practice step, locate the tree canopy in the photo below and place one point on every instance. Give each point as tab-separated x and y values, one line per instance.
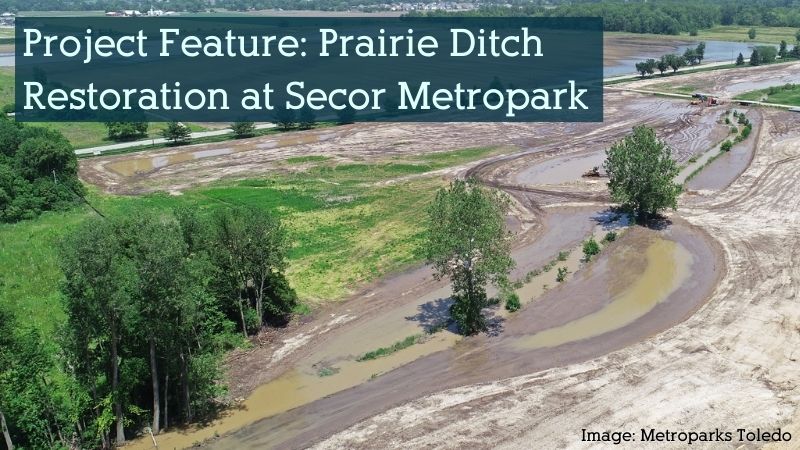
642	173
38	171
467	243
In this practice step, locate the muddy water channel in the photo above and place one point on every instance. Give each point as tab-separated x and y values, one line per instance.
641	284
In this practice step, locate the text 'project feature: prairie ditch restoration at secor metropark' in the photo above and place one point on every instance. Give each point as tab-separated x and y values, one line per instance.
435	70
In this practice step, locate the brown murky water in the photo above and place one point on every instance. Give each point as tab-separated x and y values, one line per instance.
666	266
653	279
562	169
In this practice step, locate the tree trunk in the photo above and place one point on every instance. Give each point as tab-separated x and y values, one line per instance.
114	386
260	302
6	434
186	394
244	325
166	401
156	389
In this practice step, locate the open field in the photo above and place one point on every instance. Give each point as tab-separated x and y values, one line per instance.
787	94
726	83
729	33
344	232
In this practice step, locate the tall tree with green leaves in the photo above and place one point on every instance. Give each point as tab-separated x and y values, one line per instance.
249	249
740	60
99	293
783	50
467	242
285	117
642	174
307	118
751	33
155	245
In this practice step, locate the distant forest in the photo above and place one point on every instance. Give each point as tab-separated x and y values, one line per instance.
659	17
636	16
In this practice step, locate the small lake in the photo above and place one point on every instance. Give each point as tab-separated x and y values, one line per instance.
716	51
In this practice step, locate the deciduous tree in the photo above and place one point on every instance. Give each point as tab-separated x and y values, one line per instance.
467	243
641	173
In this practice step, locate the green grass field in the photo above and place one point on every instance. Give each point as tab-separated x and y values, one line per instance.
788	94
345	229
732	33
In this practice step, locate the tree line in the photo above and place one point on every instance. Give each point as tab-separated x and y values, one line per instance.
692	56
153	300
658	17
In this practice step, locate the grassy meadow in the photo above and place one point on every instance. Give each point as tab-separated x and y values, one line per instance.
347	224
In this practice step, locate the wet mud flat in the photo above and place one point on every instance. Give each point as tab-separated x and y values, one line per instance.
664	274
325	360
725	169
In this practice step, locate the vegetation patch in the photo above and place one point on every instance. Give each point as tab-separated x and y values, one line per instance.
396	347
787	94
306	159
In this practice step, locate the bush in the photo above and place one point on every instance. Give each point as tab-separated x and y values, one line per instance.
726	146
252	320
590	248
512	302
611	236
562	274
562	256
243	128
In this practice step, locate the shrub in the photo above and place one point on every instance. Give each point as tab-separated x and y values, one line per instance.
590	248
562	256
611	236
512	302
562	274
726	146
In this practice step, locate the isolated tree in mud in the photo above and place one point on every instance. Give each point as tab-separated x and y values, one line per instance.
467	243
642	174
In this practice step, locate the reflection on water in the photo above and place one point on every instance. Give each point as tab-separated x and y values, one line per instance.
562	169
666	266
716	51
